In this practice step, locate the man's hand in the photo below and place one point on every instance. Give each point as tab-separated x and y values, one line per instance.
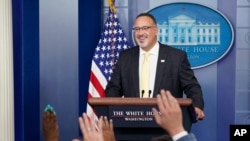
89	130
169	116
199	113
108	130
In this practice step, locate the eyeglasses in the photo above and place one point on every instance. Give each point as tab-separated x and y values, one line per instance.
144	28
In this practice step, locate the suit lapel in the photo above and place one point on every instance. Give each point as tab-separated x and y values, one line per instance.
161	63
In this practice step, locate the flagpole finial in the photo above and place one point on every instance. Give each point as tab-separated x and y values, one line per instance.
112	6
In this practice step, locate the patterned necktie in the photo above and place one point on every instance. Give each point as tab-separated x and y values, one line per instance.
144	88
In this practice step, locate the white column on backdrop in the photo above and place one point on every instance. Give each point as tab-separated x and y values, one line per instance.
6	73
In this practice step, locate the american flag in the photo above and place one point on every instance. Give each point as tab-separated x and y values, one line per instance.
111	43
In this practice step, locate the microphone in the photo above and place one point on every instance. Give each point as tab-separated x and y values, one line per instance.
149	93
142	93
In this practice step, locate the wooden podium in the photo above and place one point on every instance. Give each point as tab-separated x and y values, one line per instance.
132	117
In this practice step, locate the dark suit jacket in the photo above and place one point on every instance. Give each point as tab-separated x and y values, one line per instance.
173	74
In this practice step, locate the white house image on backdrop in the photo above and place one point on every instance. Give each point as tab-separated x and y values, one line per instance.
186	30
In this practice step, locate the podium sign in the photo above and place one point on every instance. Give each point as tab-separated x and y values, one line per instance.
132	116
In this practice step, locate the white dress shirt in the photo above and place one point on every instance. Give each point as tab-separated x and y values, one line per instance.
179	135
153	57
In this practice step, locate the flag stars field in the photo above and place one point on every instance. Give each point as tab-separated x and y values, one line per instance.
111	43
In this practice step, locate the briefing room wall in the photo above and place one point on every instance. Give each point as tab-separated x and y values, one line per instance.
242	107
217	80
47	44
58	49
69	32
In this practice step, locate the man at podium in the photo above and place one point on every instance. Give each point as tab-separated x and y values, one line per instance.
143	70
